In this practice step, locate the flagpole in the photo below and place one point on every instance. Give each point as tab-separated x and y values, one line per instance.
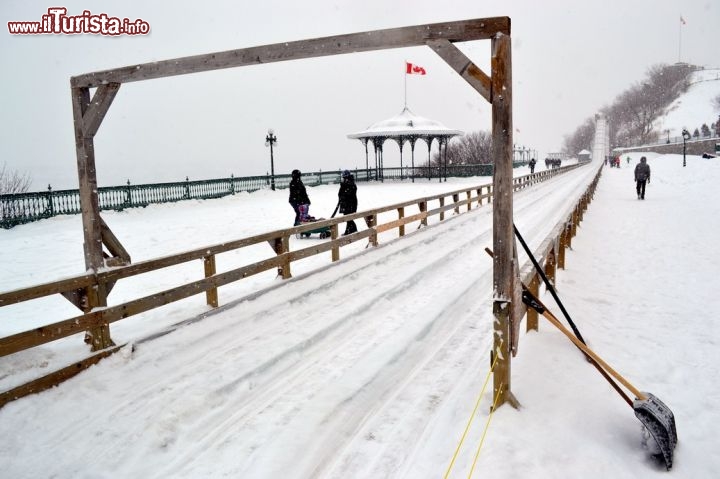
680	41
405	75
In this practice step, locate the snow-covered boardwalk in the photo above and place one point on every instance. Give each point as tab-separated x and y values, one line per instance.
369	368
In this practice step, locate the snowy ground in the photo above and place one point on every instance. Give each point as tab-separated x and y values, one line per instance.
371	368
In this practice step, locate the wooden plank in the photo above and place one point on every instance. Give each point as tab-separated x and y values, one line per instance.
46	289
53	379
457	31
99	105
400	222
113	244
45	334
459	62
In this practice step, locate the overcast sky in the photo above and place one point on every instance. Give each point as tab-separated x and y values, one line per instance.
569	59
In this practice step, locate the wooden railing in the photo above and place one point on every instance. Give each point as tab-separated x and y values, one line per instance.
551	252
281	259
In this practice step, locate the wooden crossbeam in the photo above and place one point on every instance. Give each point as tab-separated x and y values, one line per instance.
417	35
116	249
99	105
463	66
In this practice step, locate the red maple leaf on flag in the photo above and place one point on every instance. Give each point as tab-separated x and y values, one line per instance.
411	69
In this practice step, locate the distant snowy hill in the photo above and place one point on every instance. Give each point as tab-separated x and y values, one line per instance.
694	107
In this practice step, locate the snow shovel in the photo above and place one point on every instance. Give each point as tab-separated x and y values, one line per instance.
571	323
657	418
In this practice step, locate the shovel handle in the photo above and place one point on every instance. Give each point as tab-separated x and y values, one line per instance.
597	358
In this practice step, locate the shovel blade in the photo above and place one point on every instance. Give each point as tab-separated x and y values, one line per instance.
659	420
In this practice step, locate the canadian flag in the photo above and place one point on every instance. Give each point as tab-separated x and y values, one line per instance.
682	20
411	69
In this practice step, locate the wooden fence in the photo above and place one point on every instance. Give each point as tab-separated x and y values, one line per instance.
281	259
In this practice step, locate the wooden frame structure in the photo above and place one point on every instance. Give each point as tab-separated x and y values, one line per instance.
89	111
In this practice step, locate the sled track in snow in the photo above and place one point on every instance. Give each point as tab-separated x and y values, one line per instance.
307	357
359	352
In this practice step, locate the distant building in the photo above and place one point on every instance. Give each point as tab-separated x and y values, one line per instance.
584	155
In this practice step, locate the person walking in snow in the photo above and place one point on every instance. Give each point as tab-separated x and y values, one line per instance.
347	200
532	165
642	176
298	195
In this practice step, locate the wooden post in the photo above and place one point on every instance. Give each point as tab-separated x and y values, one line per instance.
550	266
97	336
568	234
456	199
561	250
442	213
479	195
503	239
401	215
469	200
335	255
282	245
532	315
575	220
423	208
371	221
211	295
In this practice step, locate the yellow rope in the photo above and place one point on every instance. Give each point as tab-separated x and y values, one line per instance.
487	424
472	417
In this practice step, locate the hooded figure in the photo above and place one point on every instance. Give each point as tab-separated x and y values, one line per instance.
642	176
347	200
298	195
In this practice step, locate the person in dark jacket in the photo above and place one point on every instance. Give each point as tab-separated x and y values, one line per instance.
532	166
298	195
642	176
347	200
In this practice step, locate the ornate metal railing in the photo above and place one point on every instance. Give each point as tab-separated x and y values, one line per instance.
17	209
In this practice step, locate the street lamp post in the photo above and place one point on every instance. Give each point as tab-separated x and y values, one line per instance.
270	140
686	137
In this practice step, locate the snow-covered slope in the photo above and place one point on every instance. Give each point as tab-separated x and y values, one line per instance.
694	107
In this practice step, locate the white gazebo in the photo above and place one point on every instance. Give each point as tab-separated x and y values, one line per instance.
405	127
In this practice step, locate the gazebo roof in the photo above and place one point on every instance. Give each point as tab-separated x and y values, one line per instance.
406	124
